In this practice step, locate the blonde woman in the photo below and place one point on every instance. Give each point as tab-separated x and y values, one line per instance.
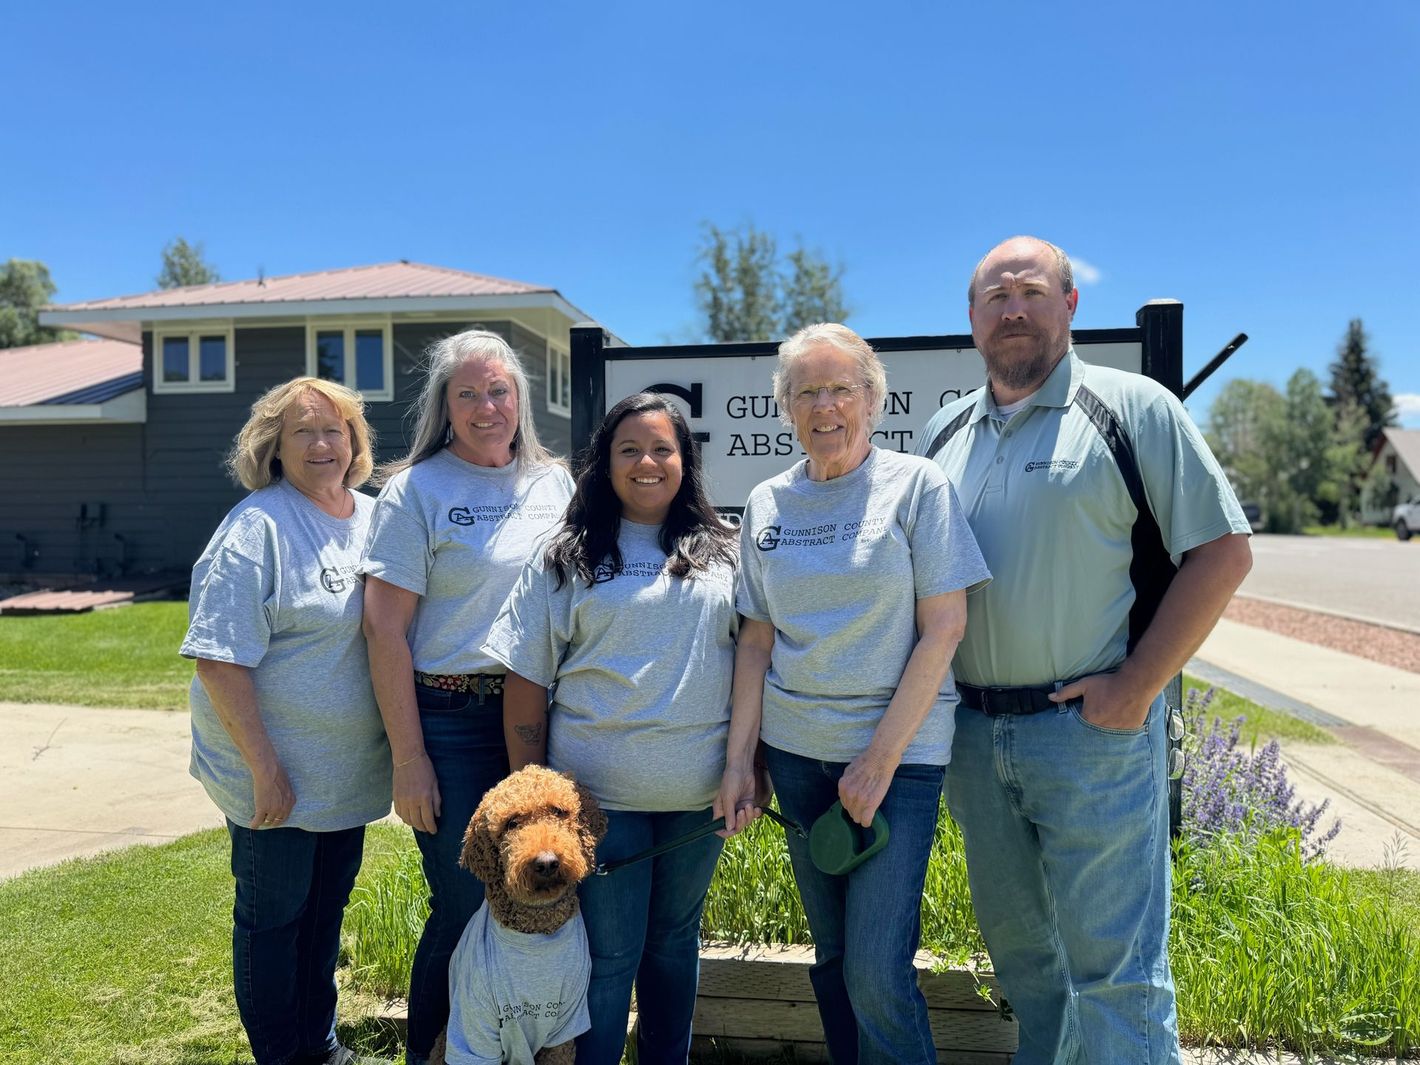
286	737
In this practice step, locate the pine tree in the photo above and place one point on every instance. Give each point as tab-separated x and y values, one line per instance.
1356	381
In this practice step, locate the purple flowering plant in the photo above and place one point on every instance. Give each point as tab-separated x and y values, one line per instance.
1228	790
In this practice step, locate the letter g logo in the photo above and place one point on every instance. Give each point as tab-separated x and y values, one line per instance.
461	516
768	538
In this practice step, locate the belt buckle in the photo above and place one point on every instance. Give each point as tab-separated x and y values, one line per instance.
986	694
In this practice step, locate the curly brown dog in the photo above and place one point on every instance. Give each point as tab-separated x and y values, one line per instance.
518	978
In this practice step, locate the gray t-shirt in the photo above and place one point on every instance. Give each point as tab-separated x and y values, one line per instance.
276	591
837	568
641	663
457	536
513	993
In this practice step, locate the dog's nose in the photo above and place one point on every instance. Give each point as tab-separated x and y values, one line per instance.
546	863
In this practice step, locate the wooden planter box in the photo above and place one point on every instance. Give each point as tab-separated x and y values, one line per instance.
757	1001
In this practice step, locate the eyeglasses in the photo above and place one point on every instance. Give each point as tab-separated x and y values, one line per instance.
837	394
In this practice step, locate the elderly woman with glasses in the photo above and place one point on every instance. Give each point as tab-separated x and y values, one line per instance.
855	566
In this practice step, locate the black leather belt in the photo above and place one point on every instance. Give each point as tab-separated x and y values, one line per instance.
996	702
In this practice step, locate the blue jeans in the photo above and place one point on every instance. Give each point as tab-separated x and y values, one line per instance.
1066	829
643	927
292	887
463	733
866	925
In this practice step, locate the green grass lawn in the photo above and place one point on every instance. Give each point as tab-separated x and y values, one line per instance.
1382	531
126	958
1259	723
125	656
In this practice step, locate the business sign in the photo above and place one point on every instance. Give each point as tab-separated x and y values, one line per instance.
726	393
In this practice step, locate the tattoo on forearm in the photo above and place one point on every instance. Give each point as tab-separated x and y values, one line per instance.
530	734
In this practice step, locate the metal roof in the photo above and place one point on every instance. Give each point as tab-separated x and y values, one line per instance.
397	280
70	371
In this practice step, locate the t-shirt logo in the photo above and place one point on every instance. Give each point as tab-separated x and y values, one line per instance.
604	572
1052	464
332	580
461	516
768	538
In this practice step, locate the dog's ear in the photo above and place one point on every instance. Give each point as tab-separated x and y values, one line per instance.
480	852
592	819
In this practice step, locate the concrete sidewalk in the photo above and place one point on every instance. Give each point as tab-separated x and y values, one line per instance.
76	781
1372	773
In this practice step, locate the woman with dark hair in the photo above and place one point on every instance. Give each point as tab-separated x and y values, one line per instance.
629	614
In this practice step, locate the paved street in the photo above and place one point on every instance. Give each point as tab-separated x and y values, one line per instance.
1378	580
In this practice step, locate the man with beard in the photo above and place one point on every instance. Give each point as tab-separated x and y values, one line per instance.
1115	542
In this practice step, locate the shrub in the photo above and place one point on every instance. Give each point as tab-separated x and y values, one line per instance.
1229	791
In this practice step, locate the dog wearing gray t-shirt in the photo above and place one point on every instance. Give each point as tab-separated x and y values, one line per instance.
518	978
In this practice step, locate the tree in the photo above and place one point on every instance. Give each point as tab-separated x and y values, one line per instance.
812	292
737	290
747	292
1280	450
1301	450
1356	379
1349	461
25	287
1242	427
183	265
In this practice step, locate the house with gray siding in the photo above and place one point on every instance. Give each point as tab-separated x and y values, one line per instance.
115	446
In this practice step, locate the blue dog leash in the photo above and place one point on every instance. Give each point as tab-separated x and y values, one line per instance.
603	868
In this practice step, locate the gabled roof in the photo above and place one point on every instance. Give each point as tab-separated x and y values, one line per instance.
69	372
385	288
1407	447
397	280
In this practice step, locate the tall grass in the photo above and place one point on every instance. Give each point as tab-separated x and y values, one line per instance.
1268	948
383	920
753	898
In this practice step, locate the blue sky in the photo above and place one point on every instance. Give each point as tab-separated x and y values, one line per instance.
1257	161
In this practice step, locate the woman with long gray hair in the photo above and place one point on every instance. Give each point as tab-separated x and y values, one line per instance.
453	525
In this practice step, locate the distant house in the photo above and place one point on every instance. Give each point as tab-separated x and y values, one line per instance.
115	446
1394	476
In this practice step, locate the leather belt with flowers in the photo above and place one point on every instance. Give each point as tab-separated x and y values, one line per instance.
482	683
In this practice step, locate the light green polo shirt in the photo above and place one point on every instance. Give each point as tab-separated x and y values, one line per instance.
1053	516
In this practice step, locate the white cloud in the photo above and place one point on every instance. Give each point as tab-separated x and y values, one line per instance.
1085	273
1407	406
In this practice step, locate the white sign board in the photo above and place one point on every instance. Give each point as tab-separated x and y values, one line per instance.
745	442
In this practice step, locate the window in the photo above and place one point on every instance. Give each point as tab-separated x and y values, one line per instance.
559	381
359	355
198	360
